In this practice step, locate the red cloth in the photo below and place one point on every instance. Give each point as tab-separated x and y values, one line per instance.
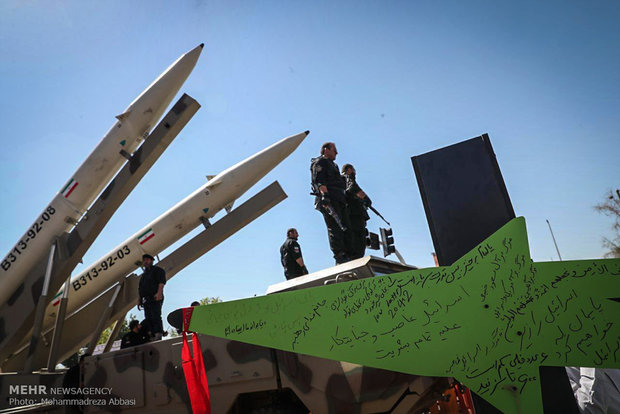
194	370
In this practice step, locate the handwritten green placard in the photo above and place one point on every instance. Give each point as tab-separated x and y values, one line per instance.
490	320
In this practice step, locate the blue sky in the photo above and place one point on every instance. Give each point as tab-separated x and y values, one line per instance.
385	80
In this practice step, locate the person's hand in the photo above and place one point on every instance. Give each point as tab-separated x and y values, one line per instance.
159	296
325	200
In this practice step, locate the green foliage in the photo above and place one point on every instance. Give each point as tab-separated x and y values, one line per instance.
173	333
611	207
105	335
210	300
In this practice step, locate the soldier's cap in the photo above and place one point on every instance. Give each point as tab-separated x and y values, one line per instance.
133	324
147	256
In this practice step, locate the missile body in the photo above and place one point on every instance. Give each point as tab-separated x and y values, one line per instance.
218	193
71	202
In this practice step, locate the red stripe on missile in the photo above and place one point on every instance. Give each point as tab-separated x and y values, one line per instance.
148	238
71	190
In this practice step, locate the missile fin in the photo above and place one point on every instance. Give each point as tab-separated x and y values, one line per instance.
122	116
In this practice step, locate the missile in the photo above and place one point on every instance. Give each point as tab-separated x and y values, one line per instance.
74	198
218	193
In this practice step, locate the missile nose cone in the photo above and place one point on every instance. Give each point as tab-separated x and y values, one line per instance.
306	132
245	174
195	52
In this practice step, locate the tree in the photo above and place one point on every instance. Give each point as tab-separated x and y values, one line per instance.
105	335
210	300
611	207
173	333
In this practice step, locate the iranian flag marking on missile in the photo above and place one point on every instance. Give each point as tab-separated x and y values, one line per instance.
172	225
66	192
93	175
146	236
56	299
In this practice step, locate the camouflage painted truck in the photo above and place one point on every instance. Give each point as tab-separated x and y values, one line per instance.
252	379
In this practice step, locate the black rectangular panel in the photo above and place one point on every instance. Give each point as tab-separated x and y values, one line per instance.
464	196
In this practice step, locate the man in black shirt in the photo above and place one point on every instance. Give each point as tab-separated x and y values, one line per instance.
357	205
151	291
329	188
290	256
134	337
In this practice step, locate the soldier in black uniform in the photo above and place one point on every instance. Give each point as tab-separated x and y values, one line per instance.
290	256
329	188
357	205
134	337
151	292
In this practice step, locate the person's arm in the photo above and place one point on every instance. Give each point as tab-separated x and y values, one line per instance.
359	193
161	278
139	303
320	176
300	262
160	292
296	251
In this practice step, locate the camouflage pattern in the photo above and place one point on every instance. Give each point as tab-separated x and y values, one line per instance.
152	375
150	378
79	326
247	378
32	395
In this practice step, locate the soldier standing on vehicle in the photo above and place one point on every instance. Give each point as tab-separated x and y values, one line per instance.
151	292
357	205
290	256
329	188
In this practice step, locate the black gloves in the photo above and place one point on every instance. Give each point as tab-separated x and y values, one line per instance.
325	201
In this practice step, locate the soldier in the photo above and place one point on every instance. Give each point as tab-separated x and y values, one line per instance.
151	292
357	205
134	337
290	256
329	188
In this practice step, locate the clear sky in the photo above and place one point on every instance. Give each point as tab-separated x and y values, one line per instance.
386	80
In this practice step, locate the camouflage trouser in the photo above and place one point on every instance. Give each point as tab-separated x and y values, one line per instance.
152	314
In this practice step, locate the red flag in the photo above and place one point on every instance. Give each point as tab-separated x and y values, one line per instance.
194	370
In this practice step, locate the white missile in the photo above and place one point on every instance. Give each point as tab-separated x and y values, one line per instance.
217	194
71	202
